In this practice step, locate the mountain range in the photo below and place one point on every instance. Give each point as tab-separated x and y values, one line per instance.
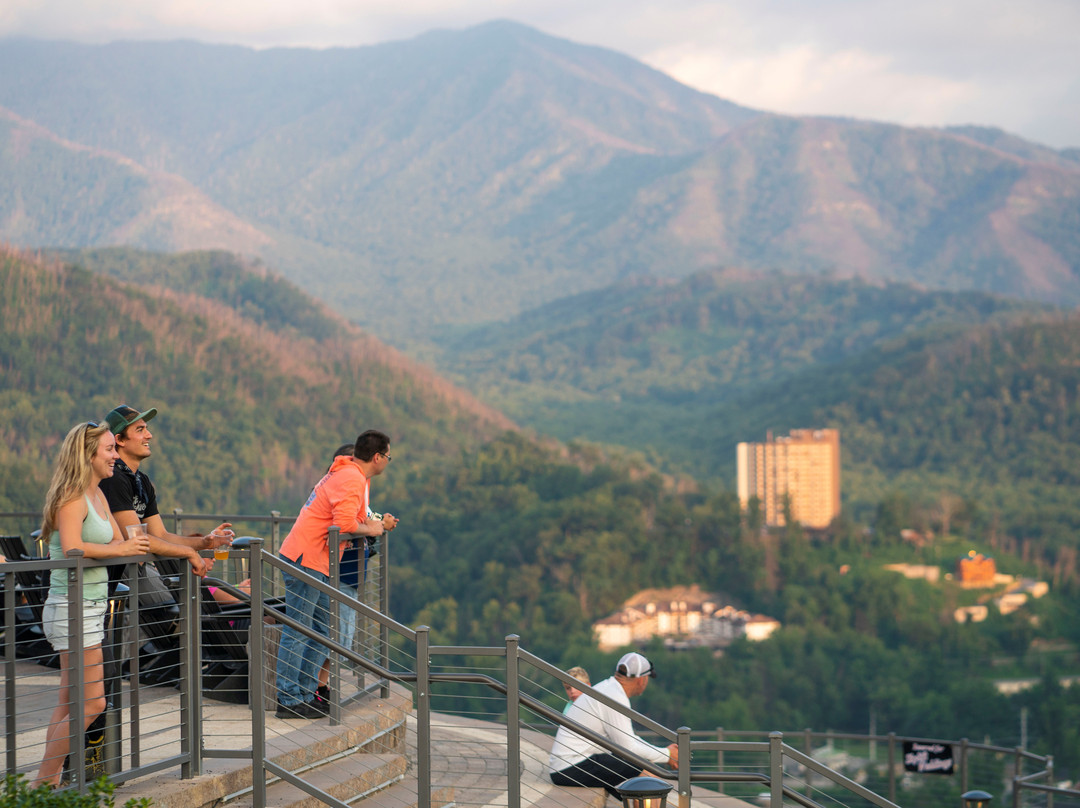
465	176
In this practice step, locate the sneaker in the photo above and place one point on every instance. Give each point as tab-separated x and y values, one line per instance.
303	709
322	700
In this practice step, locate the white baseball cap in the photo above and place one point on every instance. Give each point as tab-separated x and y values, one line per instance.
634	665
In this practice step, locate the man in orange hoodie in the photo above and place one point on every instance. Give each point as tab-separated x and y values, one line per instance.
339	498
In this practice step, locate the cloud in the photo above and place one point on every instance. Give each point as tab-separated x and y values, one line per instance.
804	80
922	62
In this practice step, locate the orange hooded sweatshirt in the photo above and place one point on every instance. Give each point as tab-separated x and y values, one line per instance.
340	498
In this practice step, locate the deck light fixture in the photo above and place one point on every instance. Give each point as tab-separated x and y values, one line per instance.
976	799
643	792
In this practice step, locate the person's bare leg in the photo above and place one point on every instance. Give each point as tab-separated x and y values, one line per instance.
58	737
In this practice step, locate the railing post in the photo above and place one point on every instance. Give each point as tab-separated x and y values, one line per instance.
873	735
131	576
10	727
255	681
384	608
776	770
333	538
684	766
77	674
513	724
112	654
1018	773
720	758
178	521
275	530
423	718
1050	780
963	765
892	767
808	747
191	737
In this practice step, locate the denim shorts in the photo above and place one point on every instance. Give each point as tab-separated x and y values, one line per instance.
55	618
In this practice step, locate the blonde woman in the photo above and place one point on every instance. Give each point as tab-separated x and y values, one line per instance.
77	517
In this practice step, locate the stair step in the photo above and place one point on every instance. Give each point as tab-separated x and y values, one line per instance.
469	755
356	776
403	795
373	727
565	797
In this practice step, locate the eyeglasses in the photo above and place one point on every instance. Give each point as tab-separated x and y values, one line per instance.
92	424
388	457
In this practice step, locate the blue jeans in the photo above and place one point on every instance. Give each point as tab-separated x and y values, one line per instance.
347	618
299	657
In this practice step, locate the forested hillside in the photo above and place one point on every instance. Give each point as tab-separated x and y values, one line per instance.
956	409
246	285
515	540
249	411
989	416
708	337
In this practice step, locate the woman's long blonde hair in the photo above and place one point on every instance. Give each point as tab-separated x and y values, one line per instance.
71	475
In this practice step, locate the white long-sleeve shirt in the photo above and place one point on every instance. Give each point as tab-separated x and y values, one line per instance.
570	748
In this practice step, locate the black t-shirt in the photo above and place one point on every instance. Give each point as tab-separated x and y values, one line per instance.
128	490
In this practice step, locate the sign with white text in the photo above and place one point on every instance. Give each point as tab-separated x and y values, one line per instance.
928	757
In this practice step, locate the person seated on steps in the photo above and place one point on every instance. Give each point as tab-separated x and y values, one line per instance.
576	761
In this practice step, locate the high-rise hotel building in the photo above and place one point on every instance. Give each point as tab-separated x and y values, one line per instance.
805	466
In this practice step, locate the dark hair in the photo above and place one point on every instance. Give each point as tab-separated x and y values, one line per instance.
369	444
344	450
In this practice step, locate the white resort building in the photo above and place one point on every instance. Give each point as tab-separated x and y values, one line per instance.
684	616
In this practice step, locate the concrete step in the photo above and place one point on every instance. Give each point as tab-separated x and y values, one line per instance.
470	755
353	778
370	728
403	795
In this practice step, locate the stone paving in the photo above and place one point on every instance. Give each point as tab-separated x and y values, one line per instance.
468	764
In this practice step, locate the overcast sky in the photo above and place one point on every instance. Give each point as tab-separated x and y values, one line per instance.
1004	63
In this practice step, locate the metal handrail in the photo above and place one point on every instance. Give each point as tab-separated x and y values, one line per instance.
423	678
1020	783
1019	754
74	566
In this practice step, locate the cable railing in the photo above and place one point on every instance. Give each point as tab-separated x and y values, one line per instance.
142	653
506	691
973	764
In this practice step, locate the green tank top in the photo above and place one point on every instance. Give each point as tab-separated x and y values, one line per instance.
95	530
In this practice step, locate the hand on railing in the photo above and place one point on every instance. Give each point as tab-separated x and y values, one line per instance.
673	755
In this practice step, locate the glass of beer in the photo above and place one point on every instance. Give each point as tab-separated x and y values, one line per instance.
220	553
